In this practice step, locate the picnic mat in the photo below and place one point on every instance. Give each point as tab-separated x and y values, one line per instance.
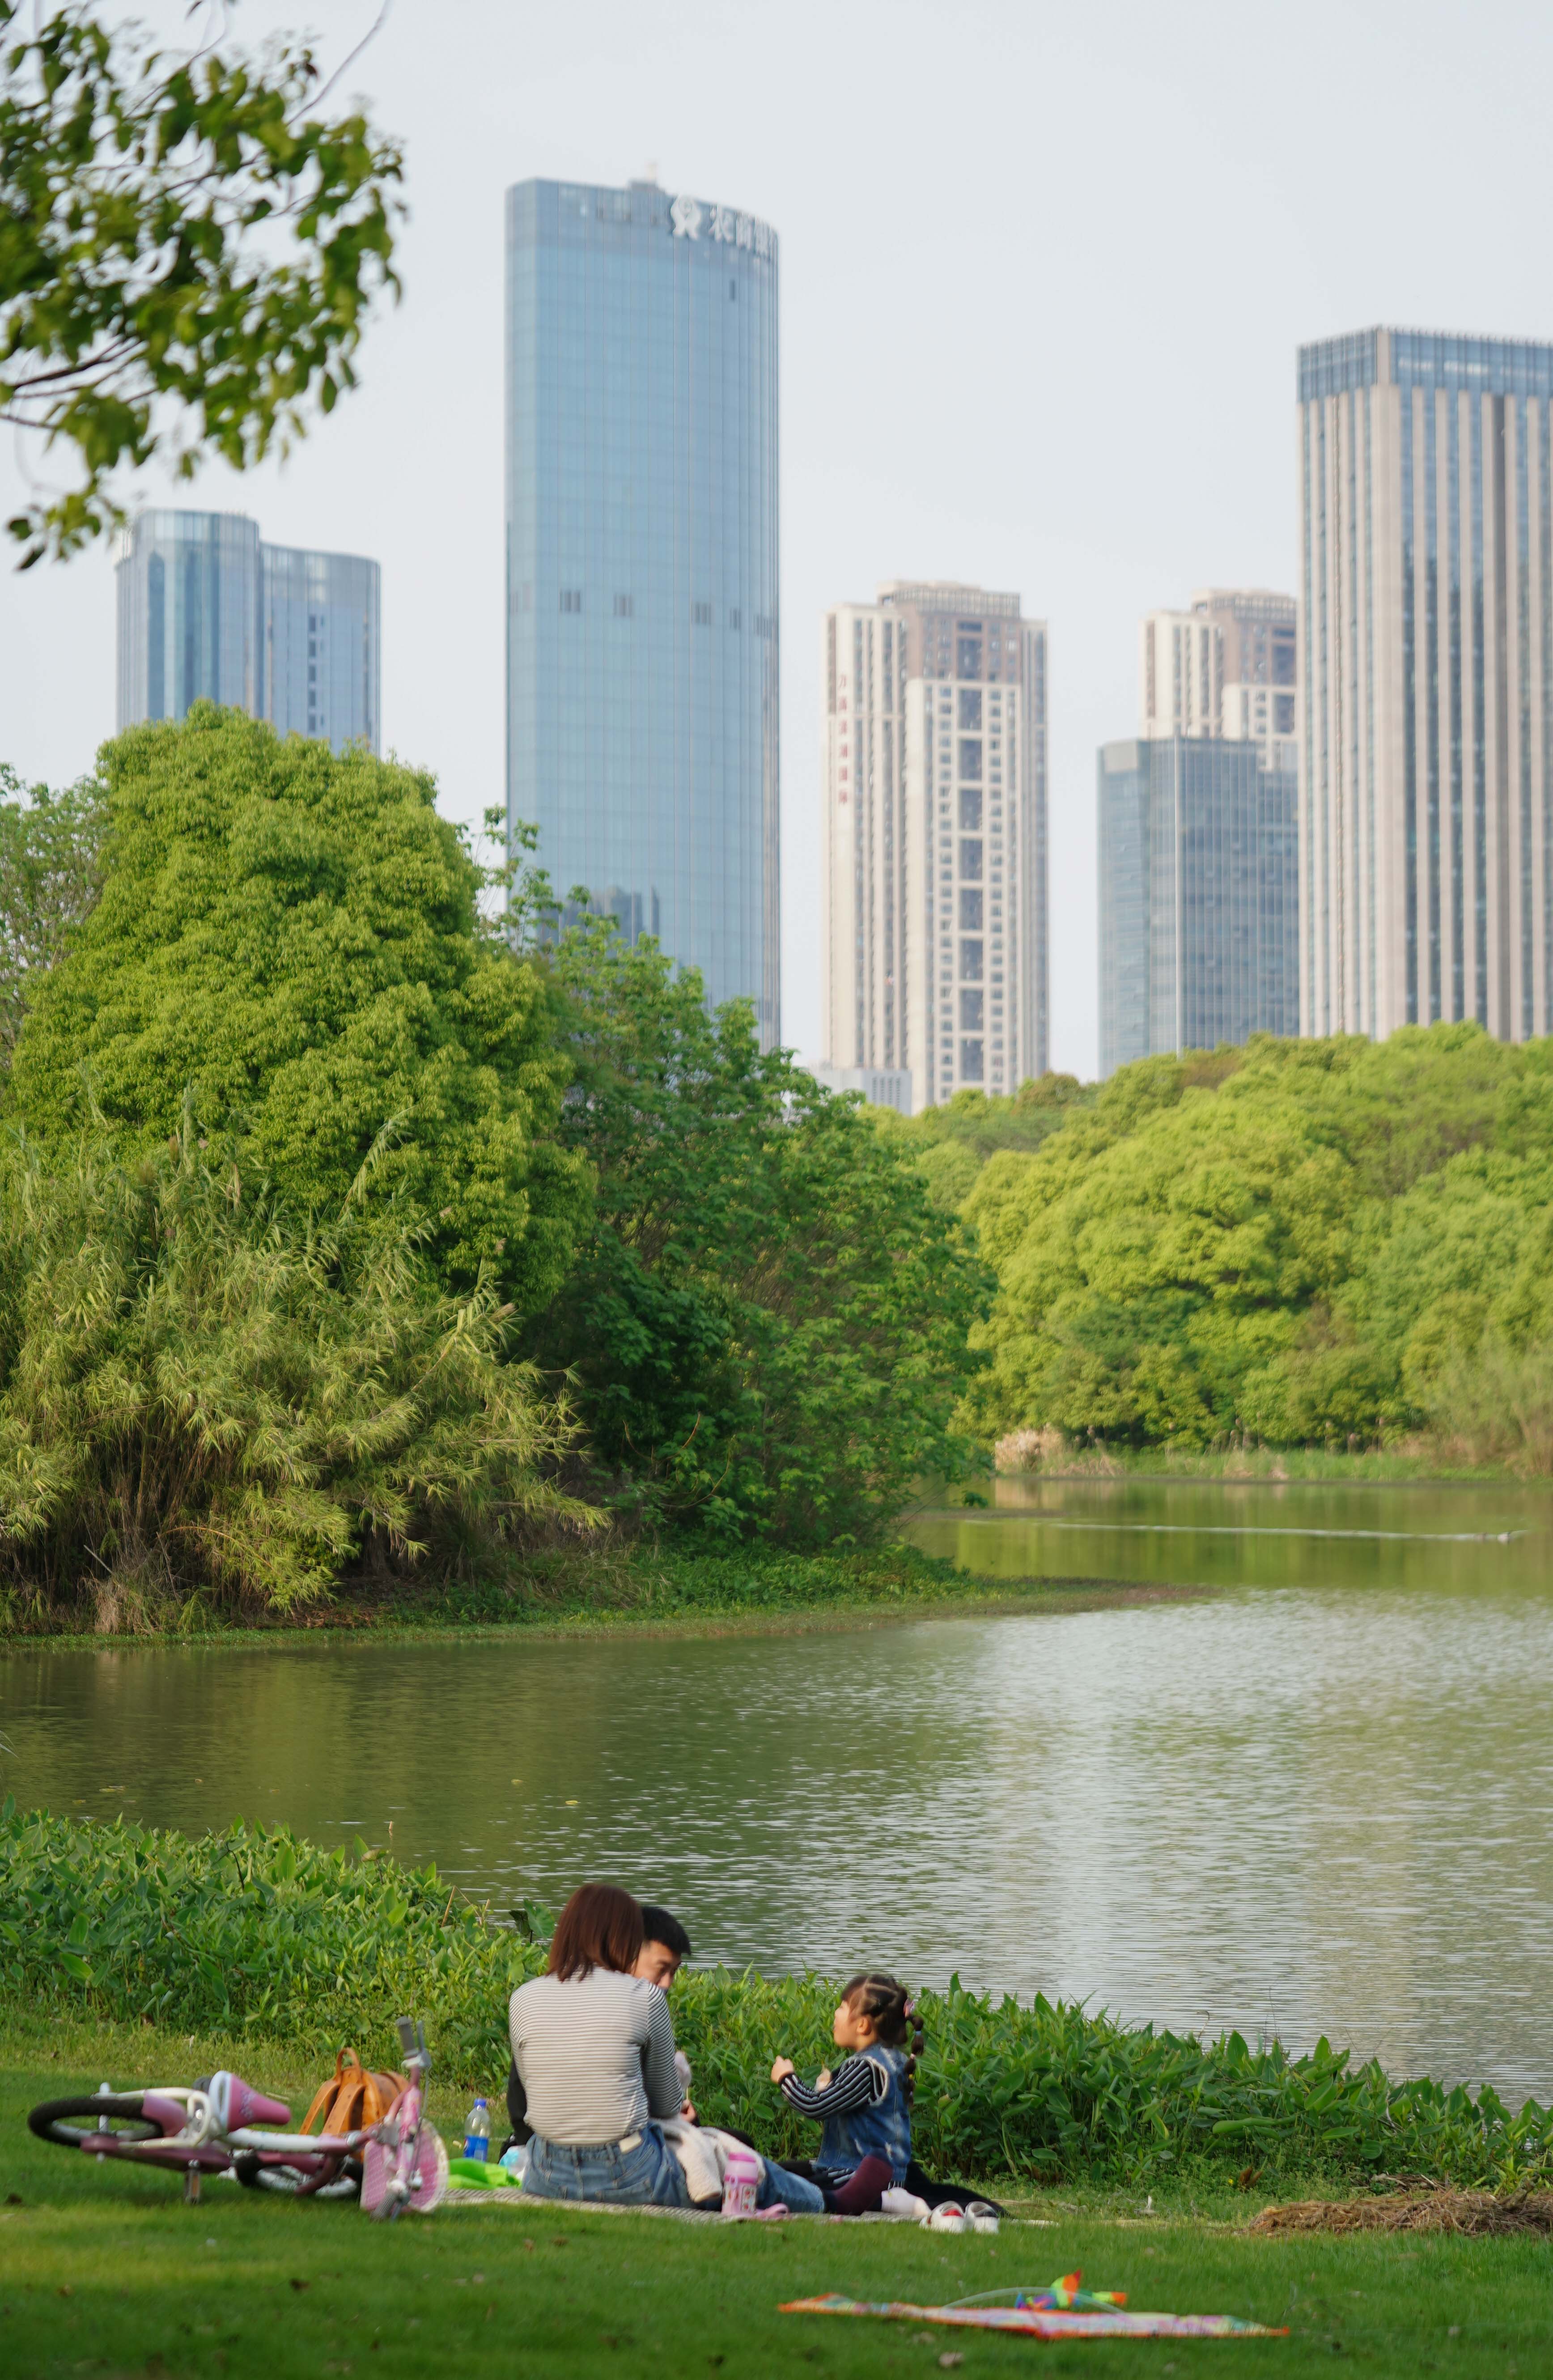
1041	2317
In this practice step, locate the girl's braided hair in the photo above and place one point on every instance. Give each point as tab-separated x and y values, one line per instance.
890	2008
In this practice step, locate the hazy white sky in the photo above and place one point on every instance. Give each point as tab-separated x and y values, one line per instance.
1044	269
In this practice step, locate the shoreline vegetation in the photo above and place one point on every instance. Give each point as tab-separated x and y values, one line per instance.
366	1254
264	1937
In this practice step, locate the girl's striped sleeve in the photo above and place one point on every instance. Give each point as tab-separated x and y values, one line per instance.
859	2084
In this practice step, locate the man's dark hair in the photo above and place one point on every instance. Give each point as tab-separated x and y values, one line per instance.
659	1927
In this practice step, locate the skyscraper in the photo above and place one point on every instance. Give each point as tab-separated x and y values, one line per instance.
207	609
1199	896
642	611
1198	879
322	644
1427	561
1227	667
934	923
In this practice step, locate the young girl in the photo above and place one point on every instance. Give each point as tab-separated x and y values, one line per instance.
866	2105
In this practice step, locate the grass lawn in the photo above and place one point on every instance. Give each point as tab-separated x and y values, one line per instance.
104	2269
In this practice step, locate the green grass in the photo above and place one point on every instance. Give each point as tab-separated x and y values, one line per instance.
104	2270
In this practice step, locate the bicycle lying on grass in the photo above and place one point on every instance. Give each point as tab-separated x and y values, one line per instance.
215	2126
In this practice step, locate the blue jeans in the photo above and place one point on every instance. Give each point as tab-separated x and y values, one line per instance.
646	2173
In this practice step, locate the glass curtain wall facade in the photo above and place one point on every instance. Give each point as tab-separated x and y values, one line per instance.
933	757
642	610
1426	612
323	650
191	592
1199	895
208	611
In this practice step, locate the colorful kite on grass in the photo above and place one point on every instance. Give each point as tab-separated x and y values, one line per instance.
1064	2310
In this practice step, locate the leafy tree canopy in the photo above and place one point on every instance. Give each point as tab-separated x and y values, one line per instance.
49	850
952	1143
147	303
1296	1241
294	936
768	1322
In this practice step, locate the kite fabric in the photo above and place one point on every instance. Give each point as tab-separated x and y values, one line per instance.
1050	2313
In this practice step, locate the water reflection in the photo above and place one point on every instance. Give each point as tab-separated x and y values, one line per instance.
1313	1796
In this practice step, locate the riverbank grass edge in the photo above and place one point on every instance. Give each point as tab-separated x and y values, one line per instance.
105	2269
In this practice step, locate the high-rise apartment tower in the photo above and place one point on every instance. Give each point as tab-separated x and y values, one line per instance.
1226	667
207	610
1426	600
934	928
642	621
1199	827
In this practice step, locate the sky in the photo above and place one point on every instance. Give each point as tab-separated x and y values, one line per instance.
1044	270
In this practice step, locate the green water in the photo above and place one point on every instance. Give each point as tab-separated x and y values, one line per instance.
1286	1763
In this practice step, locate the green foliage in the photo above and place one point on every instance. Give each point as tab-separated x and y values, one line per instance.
293	936
256	1931
196	1396
952	1143
49	853
1295	1243
147	305
768	1321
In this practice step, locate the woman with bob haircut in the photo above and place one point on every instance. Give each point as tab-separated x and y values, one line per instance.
594	2046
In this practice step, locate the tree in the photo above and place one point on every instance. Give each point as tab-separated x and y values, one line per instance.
1298	1240
201	1393
767	1322
49	851
292	936
147	305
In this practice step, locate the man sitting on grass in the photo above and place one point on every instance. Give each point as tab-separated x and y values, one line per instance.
665	1948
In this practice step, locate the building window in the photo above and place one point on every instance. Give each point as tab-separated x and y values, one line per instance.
701	614
970	810
624	607
970	1012
970	912
970	1062
969	656
970	756
571	598
970	962
735	618
970	706
970	859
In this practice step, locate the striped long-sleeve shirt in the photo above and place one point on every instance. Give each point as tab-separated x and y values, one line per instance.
857	2082
595	2055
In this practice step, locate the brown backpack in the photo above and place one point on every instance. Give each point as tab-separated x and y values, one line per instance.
352	2097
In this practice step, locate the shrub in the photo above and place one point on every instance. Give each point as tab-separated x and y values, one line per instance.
199	1395
257	1932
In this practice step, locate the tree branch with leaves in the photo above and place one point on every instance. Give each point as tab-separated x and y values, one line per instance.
188	255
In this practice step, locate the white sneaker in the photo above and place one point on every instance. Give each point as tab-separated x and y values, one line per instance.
979	2215
906	2203
948	2217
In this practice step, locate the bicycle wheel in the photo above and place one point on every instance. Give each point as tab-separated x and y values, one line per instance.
67	2122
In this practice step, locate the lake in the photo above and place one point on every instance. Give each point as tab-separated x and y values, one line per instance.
1273	1756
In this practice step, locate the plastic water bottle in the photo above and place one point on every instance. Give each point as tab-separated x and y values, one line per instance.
477	2130
741	2182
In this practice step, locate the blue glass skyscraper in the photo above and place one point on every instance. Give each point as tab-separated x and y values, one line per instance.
208	611
642	615
1199	896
